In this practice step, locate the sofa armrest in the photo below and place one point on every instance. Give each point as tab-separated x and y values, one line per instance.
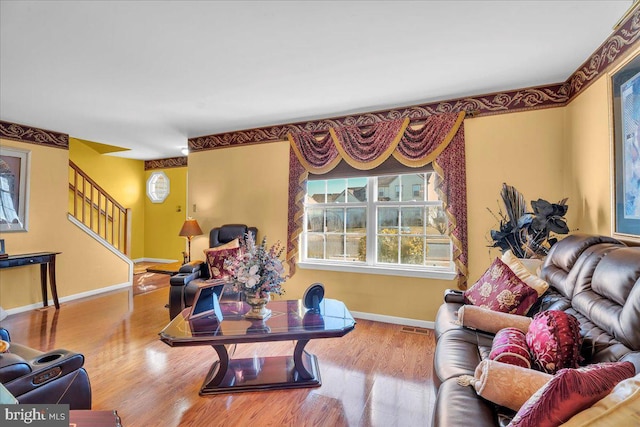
46	368
191	267
188	272
451	295
182	279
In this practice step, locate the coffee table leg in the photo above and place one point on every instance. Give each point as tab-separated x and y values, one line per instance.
299	359
218	369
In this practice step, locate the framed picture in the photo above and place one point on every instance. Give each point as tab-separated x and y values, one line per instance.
205	302
625	85
14	189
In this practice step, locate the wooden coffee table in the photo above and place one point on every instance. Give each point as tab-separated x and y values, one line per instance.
289	321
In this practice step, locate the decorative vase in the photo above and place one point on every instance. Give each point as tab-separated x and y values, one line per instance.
258	306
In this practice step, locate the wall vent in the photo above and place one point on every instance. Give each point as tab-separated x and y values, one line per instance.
414	330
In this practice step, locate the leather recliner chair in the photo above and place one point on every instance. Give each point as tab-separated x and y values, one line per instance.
34	377
182	290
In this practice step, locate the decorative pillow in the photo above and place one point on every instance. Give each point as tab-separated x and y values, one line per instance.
569	392
554	341
216	256
506	385
519	267
232	244
500	289
491	321
621	407
510	346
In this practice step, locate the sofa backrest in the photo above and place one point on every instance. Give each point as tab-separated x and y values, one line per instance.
611	296
557	268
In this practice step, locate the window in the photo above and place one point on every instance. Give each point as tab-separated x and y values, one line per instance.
417	190
157	187
354	224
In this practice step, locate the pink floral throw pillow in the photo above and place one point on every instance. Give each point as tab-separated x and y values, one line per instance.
215	261
571	391
554	341
499	289
510	346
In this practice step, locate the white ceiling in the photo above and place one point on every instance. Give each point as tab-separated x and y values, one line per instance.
147	75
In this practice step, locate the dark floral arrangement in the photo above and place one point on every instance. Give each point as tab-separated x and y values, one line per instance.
528	234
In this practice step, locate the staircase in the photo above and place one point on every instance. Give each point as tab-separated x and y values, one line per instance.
98	211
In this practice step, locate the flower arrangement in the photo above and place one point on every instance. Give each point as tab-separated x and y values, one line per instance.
528	234
257	269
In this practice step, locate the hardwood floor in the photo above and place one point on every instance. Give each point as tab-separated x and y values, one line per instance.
376	375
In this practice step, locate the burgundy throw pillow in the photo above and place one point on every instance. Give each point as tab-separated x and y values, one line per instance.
500	289
215	261
571	391
554	341
510	346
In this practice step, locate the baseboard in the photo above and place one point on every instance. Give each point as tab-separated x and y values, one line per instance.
158	260
392	319
70	298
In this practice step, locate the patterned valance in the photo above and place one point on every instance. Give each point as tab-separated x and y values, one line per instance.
439	140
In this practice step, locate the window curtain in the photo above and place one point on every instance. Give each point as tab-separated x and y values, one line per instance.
439	140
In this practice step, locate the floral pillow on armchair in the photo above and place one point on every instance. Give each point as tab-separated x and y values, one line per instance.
215	258
500	289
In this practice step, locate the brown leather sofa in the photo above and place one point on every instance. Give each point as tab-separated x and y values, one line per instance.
594	278
34	377
183	288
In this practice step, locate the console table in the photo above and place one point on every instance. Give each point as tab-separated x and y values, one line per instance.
289	321
47	261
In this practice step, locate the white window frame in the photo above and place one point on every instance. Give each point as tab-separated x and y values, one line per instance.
370	266
155	193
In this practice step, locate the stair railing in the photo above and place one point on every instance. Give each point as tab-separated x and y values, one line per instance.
96	209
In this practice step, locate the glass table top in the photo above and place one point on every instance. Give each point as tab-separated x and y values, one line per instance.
289	320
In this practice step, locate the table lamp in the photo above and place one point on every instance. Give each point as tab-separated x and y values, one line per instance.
189	229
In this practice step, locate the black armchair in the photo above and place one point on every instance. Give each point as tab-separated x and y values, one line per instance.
182	290
34	377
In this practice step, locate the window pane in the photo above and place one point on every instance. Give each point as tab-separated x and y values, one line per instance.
315	220
388	249
316	191
336	189
413	187
439	249
431	187
391	187
335	220
356	220
335	246
356	249
315	246
357	188
412	250
388	218
362	248
438	221
412	221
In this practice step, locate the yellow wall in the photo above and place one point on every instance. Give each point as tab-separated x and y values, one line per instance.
83	265
123	179
525	150
162	221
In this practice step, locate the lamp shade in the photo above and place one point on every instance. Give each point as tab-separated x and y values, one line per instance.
190	228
